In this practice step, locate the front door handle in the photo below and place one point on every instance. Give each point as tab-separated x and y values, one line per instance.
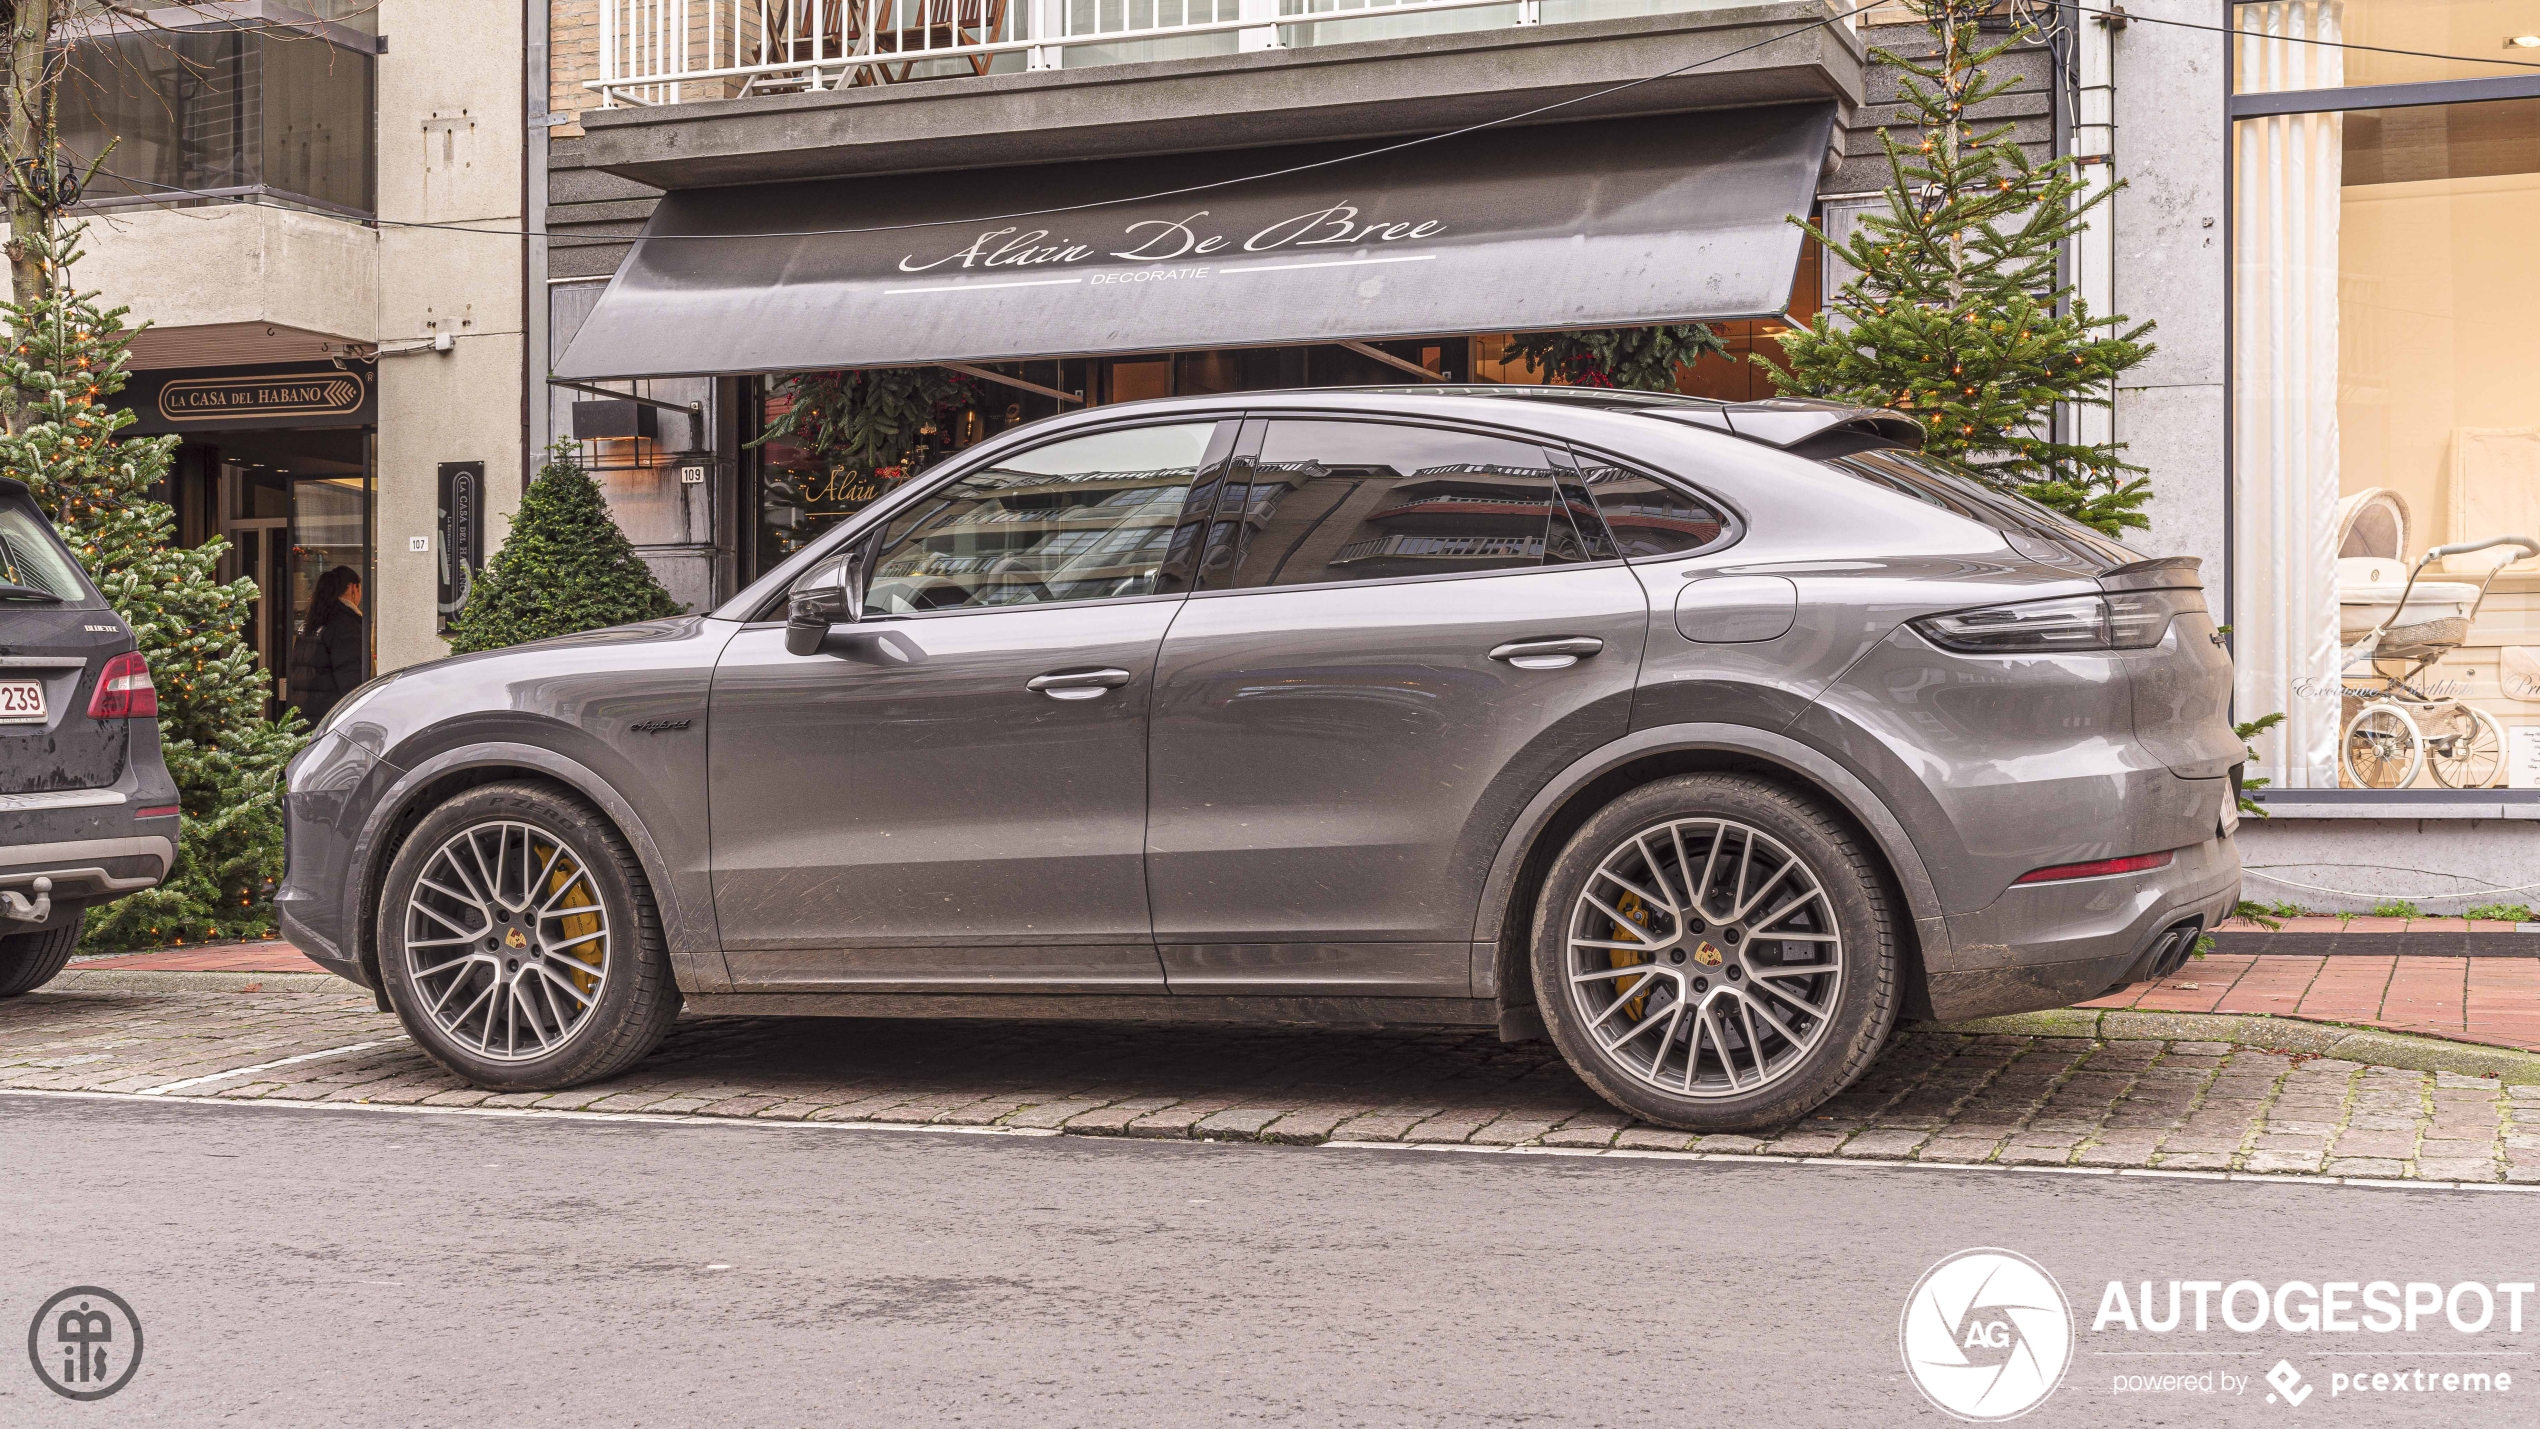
1077	684
1548	654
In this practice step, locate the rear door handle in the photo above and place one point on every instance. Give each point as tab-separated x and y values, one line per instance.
1077	684
1548	654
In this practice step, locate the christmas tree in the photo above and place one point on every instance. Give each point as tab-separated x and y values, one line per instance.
64	366
1958	317
565	567
1642	358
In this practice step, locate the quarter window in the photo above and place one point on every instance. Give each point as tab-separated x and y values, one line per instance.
1084	519
1363	501
1647	516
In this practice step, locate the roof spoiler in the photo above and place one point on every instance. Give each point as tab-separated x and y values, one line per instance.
2159	573
1800	424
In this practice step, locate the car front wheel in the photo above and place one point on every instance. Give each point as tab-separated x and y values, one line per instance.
1715	953
519	943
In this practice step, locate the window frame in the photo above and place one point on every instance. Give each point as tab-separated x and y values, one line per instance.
2238	106
1556	454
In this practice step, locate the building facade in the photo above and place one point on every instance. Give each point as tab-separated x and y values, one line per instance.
292	197
2328	235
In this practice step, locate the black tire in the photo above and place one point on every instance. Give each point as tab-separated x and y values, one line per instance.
30	960
636	998
1707	984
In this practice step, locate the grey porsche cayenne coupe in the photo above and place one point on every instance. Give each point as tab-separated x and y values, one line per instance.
1707	739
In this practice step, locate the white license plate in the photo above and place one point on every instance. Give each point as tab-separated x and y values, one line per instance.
21	702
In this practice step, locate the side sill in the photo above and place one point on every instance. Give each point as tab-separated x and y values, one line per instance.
1064	1007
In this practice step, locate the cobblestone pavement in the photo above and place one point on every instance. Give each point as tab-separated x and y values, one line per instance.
1934	1097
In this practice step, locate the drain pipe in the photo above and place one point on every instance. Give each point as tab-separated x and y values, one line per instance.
2094	141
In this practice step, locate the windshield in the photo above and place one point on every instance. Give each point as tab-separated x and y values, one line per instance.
33	559
1936	483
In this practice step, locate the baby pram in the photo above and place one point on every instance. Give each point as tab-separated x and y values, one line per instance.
2387	616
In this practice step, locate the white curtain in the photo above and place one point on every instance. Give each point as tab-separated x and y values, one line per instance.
2286	171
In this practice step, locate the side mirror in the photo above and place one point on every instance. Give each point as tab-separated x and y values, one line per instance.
834	597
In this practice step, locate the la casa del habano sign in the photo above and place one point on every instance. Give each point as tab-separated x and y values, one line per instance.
236	398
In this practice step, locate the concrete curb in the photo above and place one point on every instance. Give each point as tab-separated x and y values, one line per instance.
2281	1034
73	980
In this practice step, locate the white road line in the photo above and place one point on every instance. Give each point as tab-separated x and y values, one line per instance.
266	1066
2258	1178
981	287
1334	263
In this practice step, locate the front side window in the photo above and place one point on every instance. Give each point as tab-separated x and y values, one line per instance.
1364	501
1085	519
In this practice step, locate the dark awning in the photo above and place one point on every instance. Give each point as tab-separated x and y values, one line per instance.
1674	218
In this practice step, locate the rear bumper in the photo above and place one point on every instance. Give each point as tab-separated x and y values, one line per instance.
85	871
2055	944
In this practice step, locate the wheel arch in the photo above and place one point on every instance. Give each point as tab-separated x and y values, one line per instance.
1505	920
423	788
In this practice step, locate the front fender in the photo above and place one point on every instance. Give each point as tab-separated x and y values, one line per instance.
686	902
1803	762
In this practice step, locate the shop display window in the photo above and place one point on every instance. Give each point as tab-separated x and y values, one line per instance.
2386	431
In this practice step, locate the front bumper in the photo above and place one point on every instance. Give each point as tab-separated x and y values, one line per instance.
2055	944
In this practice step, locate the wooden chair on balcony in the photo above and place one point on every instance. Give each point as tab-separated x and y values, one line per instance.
842	39
946	23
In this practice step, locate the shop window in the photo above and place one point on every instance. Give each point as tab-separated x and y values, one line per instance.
2272	56
2386	333
221	113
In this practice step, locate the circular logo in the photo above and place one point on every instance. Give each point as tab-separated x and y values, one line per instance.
1987	1334
513	939
1708	956
85	1343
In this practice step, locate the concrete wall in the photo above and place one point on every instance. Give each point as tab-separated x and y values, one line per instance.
2171	264
237	263
451	120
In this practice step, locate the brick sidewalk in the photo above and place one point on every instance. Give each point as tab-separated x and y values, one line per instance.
2469	999
1939	1097
272	957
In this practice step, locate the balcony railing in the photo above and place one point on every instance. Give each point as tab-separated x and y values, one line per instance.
684	51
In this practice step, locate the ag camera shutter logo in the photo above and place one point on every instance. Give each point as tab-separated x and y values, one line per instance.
1986	1335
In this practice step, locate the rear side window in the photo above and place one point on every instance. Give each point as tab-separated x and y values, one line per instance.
1646	516
1915	475
33	558
1366	501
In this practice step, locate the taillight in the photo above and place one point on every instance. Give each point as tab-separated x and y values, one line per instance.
124	690
2121	620
2096	868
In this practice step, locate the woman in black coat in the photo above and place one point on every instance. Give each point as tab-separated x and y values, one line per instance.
326	660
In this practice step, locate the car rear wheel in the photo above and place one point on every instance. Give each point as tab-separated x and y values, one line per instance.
519	943
30	960
1715	953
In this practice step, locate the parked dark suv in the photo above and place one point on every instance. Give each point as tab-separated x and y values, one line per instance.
1710	738
87	810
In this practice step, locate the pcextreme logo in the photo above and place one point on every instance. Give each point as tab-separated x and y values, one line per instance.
1986	1335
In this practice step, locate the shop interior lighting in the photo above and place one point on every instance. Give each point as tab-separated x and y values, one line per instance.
2522	42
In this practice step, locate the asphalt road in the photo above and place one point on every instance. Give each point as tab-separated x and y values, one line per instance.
337	1267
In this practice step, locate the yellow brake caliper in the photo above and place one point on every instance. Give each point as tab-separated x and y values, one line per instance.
580	925
1637	1004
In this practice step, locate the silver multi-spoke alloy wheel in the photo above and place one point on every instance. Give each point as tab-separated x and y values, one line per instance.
507	940
1705	958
